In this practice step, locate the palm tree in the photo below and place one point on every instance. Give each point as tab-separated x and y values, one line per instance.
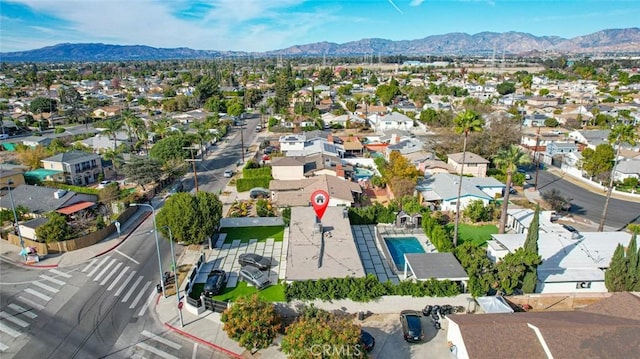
112	128
508	160
466	122
621	133
263	111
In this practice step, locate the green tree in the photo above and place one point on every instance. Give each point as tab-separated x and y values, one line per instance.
478	266
192	219
466	122
621	133
386	93
599	162
56	229
71	97
373	80
556	200
632	280
615	276
476	211
235	107
316	329
505	88
252	322
543	92
170	148
325	76
551	122
43	104
513	267
508	160
531	245
112	127
142	170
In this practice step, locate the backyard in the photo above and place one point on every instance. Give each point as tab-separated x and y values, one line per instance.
274	293
244	234
478	235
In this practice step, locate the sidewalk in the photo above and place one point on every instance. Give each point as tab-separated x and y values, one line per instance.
11	252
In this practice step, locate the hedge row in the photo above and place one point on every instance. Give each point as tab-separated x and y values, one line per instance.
366	289
437	233
246	184
371	214
68	187
256	172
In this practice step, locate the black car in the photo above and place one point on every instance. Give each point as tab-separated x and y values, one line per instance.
569	228
255	277
411	326
259	192
254	260
215	282
367	341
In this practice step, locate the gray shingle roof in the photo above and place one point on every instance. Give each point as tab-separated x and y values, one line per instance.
446	186
37	199
436	265
72	157
469	158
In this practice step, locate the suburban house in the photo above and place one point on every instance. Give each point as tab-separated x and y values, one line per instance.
542	101
41	200
297	192
474	165
316	251
590	138
627	168
391	121
107	111
34	141
534	120
80	168
609	328
299	145
441	190
15	176
572	262
295	168
557	150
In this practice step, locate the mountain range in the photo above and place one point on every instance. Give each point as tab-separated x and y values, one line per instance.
485	43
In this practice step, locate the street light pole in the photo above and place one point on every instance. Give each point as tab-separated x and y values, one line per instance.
155	227
175	275
15	219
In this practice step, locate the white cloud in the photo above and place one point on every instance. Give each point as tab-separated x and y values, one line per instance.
416	2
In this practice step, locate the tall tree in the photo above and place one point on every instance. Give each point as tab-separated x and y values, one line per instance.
112	127
465	123
632	281
621	133
142	170
615	275
531	245
252	322
192	219
508	160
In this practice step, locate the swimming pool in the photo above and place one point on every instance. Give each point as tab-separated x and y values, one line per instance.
363	173
398	246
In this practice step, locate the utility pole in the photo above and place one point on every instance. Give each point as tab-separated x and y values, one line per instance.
193	160
536	158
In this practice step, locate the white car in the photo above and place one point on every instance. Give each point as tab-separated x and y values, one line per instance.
104	184
228	174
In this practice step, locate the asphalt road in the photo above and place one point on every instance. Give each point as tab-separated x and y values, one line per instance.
589	205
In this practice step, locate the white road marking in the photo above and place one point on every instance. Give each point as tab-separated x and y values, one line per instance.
147	303
46	287
62	274
3	347
115	281
52	280
95	269
31	303
162	340
13	319
133	287
126	281
23	311
104	281
104	270
126	256
137	298
89	265
9	330
156	351
195	351
37	294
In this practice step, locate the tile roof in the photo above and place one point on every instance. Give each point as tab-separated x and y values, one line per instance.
297	192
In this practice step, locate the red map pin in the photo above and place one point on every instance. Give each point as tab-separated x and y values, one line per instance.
320	201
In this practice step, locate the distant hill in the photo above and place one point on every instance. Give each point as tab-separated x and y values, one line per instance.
484	43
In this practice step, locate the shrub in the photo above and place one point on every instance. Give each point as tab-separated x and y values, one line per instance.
246	184
68	187
252	322
256	172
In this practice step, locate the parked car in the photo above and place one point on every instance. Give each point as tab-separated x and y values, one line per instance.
367	341
104	184
259	192
569	228
411	326
216	280
255	276
178	187
526	175
513	190
254	260
228	174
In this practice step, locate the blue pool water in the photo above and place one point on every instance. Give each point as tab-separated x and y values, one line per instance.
363	173
398	246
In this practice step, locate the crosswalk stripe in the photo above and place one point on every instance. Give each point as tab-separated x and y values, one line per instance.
23	311
162	340
89	265
106	268
37	294
104	281
126	281
137	298
62	274
133	287
31	303
46	287
156	351
5	328
115	281
3	347
95	269
13	319
146	304
52	280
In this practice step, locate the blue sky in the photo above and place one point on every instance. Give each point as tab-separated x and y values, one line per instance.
261	25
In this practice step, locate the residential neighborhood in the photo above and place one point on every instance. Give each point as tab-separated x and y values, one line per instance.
449	187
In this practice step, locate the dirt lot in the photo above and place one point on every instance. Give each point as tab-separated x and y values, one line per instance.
387	332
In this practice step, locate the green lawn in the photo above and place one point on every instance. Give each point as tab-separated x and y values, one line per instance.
478	235
244	234
274	293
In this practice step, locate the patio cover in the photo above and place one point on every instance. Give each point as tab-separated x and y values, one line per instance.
76	207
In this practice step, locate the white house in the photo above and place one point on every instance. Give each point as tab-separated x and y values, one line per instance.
628	168
392	121
442	189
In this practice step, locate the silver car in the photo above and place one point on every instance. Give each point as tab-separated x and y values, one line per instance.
255	276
